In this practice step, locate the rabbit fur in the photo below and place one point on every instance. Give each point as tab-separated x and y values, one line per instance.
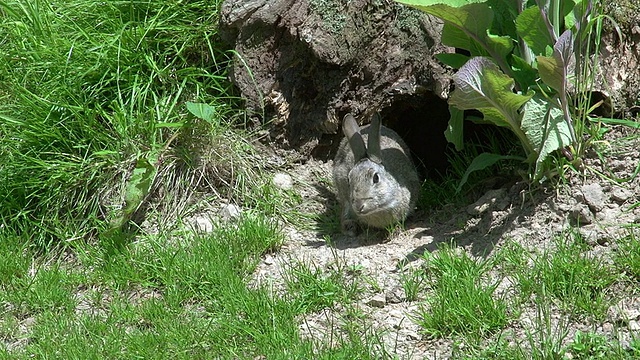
377	184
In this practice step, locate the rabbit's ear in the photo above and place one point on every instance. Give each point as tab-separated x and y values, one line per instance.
373	144
352	132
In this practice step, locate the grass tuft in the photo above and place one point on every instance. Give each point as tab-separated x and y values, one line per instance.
578	282
462	303
313	290
627	256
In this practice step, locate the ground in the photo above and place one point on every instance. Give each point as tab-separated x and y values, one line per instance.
599	205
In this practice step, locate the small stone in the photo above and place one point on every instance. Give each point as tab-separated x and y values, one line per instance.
268	260
593	196
490	199
625	311
607	328
230	212
377	300
580	215
620	195
203	224
411	335
395	295
593	235
283	181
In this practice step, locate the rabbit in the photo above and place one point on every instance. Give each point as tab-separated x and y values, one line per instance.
378	184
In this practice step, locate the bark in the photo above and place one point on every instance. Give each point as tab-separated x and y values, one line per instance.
304	64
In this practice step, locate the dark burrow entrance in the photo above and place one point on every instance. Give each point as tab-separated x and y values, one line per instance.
421	122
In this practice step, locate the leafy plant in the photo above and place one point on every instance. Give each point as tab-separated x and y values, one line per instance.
592	346
519	71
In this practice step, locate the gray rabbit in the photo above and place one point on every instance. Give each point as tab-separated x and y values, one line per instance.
378	184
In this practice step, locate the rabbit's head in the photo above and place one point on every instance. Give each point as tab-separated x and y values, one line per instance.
372	189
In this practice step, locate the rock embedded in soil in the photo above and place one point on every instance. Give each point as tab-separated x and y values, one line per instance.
625	311
593	196
203	224
230	212
283	181
593	235
491	200
395	295
620	195
580	214
377	300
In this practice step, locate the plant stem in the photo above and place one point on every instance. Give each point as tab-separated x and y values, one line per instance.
555	13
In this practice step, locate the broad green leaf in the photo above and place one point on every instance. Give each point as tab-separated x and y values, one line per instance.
551	71
504	20
138	186
474	20
554	69
499	45
523	73
571	11
481	162
424	3
531	27
455	128
202	111
546	128
454	60
481	85
455	37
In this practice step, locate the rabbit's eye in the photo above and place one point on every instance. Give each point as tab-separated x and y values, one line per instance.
376	178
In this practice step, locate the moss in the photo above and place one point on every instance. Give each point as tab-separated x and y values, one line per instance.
408	19
332	12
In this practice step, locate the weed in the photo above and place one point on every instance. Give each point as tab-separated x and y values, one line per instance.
576	281
593	346
312	290
412	281
461	303
518	71
627	256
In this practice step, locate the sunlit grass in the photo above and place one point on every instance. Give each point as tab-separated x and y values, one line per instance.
88	89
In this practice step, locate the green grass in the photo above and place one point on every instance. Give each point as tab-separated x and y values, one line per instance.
462	301
412	281
88	89
563	277
584	346
313	290
101	160
178	295
627	256
576	281
594	346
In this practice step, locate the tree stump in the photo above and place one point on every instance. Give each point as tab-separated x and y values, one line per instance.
304	64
